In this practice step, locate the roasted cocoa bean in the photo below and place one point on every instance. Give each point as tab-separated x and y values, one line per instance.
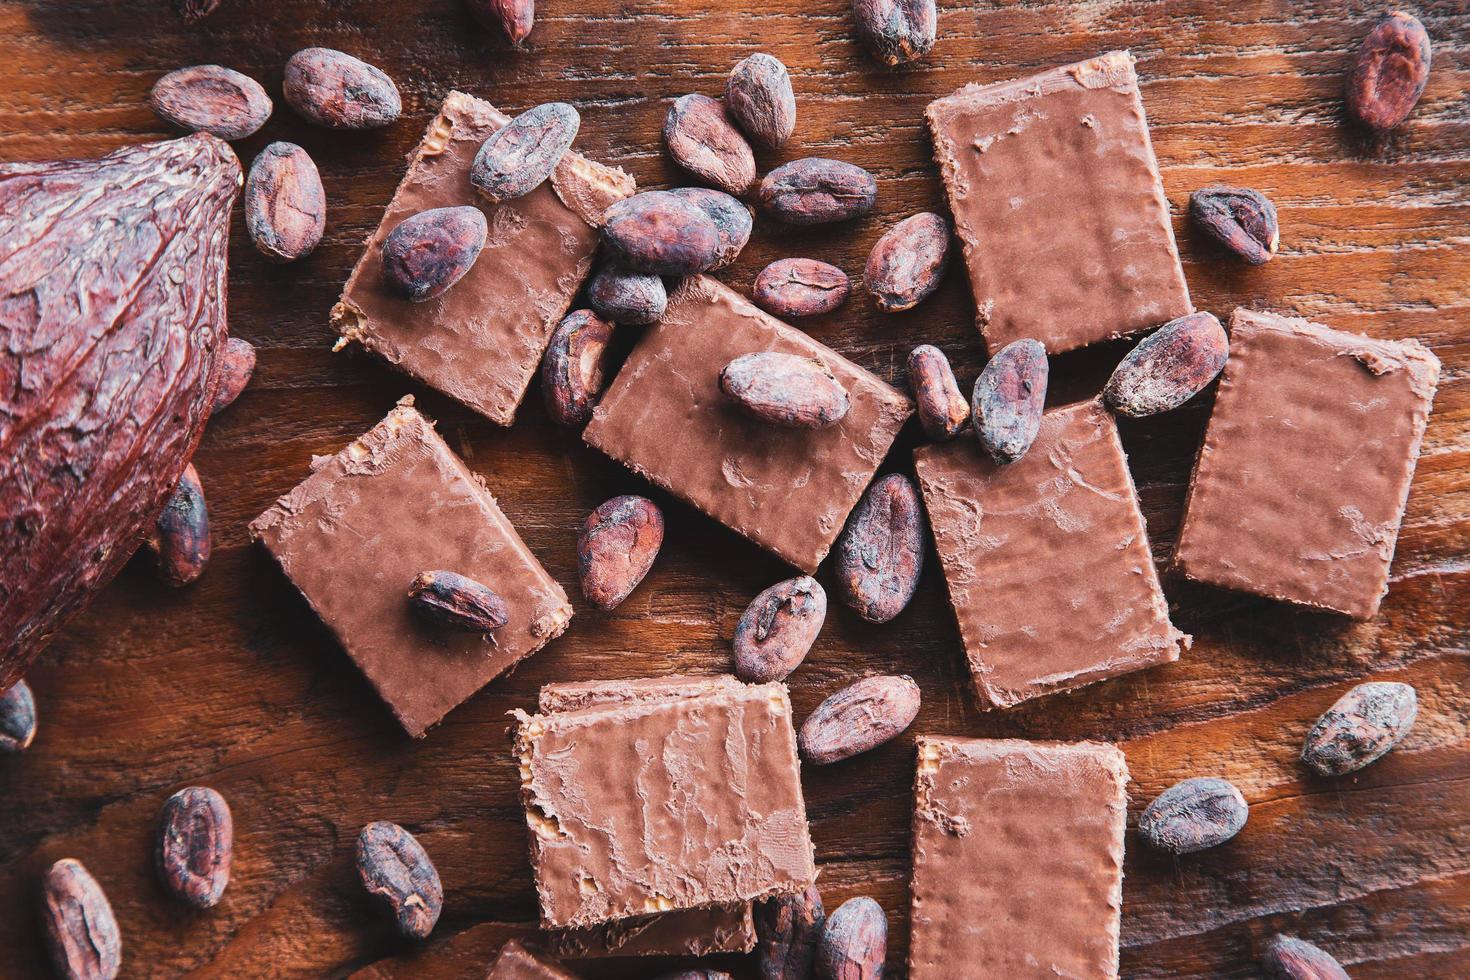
429	252
661	233
237	364
1239	219
881	551
1008	400
458	602
906	264
778	628
575	364
733	220
943	410
800	287
859	717
17	718
1194	815
513	18
758	95
1360	727
81	932
333	89
195	10
1168	367
211	99
695	975
521	155
1389	72
1289	958
787	930
815	191
285	205
195	846
854	942
394	867
628	297
617	547
785	389
180	540
702	139
896	30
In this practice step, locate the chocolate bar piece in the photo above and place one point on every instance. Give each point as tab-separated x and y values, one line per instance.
1057	200
481	341
788	490
574	695
1300	486
1046	559
516	963
353	536
1017	858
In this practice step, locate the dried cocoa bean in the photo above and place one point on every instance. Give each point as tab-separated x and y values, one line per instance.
778	628
429	252
703	140
1239	219
881	551
854	942
521	155
787	930
785	389
907	263
1009	396
458	602
195	10
801	287
285	205
17	718
661	233
628	297
333	89
617	547
815	191
1360	727
211	99
196	838
1168	367
180	539
759	96
1389	72
575	364
943	410
859	717
1194	815
81	932
695	975
1289	958
733	220
237	364
394	867
513	18
896	30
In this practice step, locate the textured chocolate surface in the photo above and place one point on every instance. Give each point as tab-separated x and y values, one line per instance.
574	695
1299	488
481	341
788	490
354	534
1059	207
1046	559
1017	858
515	962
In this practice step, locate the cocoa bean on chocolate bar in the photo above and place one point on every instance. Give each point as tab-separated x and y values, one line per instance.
574	366
758	94
787	930
703	140
1008	400
943	410
785	389
814	191
881	551
237	364
854	942
906	264
429	252
17	718
896	30
778	628
1361	727
458	602
1389	72
180	539
394	867
195	846
661	233
211	99
1289	958
628	297
733	220
1239	219
333	89
520	156
1168	367
800	287
285	205
616	549
513	18
81	932
1194	815
859	717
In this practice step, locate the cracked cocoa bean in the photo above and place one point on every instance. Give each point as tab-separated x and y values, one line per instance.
788	390
513	18
1194	815
814	191
521	155
907	263
394	867
458	602
195	846
854	943
628	297
661	233
1008	400
778	628
881	551
787	930
333	89
801	287
1389	72
180	539
193	11
1241	220
1289	958
211	99
17	718
859	717
897	31
237	364
702	139
758	94
616	549
575	364
943	410
81	932
1168	367
427	253
285	205
1361	727
733	221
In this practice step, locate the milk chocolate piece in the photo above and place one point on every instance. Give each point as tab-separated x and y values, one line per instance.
515	962
787	490
1017	857
1057	200
481	342
1299	488
575	695
1046	559
355	533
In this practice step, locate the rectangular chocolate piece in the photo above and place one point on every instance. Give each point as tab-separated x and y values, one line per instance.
1300	486
1017	858
1057	201
516	963
574	695
1046	559
787	490
481	341
356	533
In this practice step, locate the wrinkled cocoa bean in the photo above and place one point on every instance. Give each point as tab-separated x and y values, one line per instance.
429	252
1239	219
395	868
943	410
520	156
195	10
1168	367
211	99
785	389
180	539
17	719
1194	815
854	942
1009	396
859	717
285	205
1389	72
733	220
1360	727
575	364
81	931
896	30
237	364
907	263
617	547
513	18
787	930
778	628
196	839
800	287
703	140
815	191
759	96
881	551
458	602
628	297
661	233
333	89
1289	958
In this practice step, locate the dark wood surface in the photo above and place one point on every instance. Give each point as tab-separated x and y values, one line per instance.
232	682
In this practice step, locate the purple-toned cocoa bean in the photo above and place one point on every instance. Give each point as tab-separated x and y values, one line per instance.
788	390
1008	400
285	204
703	140
778	628
661	233
815	191
575	364
618	544
521	155
881	551
427	253
800	287
733	220
333	89
211	99
759	96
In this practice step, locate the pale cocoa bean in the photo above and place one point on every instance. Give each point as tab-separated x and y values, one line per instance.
881	551
1389	72
616	549
237	364
860	717
211	99
788	390
943	410
1168	367
180	539
395	868
17	718
427	253
521	155
661	233
907	263
854	943
513	18
333	89
1239	219
1361	727
1194	815
733	220
788	929
195	846
814	191
457	602
1008	400
81	931
285	204
759	96
1289	958
800	287
896	31
704	141
624	296
574	367
778	628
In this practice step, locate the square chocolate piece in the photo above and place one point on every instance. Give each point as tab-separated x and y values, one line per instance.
1057	201
1299	488
1046	559
1018	858
355	534
481	342
787	490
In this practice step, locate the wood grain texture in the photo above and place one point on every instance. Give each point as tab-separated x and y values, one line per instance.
232	683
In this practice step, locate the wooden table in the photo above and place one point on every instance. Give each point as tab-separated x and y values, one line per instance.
234	684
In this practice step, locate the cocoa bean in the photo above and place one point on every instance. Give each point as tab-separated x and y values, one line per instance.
814	191
81	932
896	31
521	155
881	551
17	718
695	975
1168	367
458	602
854	942
211	99
427	253
1239	219
618	544
787	930
906	264
758	94
733	220
943	410
513	18
180	539
859	717
778	628
1389	72
1289	958
333	89
285	205
704	141
394	867
1361	727
628	297
196	837
661	233
801	287
195	10
575	364
237	364
785	389
1194	815
1009	396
